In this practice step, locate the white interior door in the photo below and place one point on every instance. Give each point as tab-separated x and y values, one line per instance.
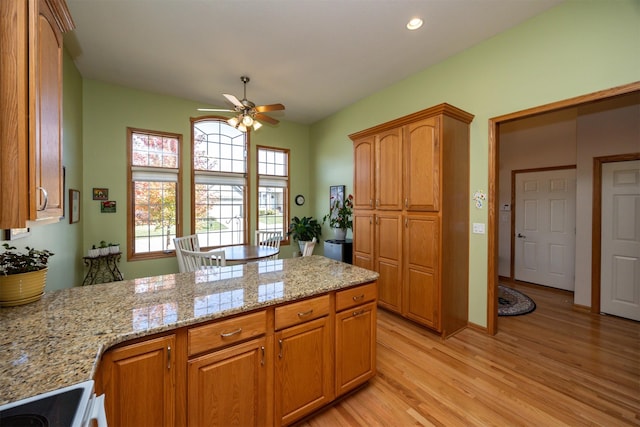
620	254
545	224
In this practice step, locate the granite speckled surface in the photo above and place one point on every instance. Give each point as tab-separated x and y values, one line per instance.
58	341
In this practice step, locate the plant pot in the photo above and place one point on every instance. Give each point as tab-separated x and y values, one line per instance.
301	244
23	288
339	233
93	253
104	251
114	249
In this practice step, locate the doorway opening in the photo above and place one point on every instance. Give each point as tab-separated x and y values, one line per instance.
493	196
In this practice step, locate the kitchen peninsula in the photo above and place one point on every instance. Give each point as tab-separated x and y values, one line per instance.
76	334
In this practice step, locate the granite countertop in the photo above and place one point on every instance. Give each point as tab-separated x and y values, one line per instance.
58	340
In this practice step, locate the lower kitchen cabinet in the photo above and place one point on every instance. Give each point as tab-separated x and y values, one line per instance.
303	369
355	347
139	383
229	386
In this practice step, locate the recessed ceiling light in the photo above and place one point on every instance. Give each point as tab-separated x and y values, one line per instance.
414	24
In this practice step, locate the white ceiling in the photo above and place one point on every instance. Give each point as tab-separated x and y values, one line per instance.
314	56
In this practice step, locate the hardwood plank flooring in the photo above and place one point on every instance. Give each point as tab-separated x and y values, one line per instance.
556	366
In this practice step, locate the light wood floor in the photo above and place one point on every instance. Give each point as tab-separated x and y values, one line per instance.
553	367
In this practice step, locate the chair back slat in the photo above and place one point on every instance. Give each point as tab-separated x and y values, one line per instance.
196	260
186	243
269	238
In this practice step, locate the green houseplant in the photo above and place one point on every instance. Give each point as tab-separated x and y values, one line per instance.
23	275
304	230
339	216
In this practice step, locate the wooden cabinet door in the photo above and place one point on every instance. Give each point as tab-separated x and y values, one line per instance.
363	236
389	170
303	369
363	173
421	287
422	165
139	383
355	347
229	387
388	249
45	128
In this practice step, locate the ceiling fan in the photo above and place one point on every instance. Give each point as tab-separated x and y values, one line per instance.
248	112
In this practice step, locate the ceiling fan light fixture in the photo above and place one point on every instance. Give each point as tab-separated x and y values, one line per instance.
233	121
247	120
256	125
242	128
414	24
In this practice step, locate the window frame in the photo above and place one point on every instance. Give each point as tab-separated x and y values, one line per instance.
131	254
246	203
287	193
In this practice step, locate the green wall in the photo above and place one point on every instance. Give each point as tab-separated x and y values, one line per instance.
109	110
576	48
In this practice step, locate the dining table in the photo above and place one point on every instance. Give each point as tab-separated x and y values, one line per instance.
246	253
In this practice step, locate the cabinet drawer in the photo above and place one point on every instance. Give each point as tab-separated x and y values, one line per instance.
225	332
302	311
356	296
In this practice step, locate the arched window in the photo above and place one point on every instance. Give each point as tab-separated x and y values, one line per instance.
219	193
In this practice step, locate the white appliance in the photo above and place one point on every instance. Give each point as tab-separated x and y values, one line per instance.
73	406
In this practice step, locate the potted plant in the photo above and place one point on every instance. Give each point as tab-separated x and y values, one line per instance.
339	217
114	248
104	249
304	230
23	275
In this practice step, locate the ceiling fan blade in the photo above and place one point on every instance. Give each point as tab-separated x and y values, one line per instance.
266	118
232	99
216	109
270	107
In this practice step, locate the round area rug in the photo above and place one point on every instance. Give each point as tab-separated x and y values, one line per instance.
513	303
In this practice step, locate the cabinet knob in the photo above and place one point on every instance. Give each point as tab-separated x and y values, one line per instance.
406	203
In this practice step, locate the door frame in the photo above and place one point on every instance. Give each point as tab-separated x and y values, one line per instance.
596	239
494	158
514	207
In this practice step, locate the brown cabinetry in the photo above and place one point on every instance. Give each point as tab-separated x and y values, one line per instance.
139	383
304	379
31	110
419	214
229	386
355	337
269	367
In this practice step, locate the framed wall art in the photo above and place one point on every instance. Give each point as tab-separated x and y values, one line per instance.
336	192
100	194
108	206
74	206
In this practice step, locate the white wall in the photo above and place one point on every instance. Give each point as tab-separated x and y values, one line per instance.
571	136
603	129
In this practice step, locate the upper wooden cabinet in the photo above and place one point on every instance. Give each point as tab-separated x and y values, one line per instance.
417	221
31	110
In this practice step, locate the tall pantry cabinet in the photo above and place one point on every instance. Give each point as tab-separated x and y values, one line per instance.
411	214
31	110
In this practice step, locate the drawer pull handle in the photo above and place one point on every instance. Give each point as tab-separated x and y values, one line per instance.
358	297
305	313
358	313
230	334
280	352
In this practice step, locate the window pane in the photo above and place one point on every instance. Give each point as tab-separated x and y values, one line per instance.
219	214
155	216
218	147
154	150
271	206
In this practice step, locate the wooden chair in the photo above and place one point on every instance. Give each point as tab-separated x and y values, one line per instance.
186	243
269	238
196	260
308	247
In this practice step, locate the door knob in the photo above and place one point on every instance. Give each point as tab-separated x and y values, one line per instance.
521	236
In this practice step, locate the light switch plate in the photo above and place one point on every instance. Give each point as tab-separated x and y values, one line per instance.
478	228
